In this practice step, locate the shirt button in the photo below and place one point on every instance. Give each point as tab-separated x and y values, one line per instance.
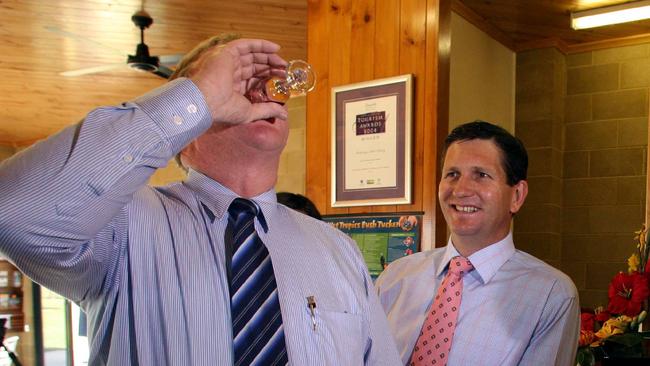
178	120
192	108
127	158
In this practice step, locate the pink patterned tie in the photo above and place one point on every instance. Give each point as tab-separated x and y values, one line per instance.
434	342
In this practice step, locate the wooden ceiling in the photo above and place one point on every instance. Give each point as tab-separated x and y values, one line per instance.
41	38
526	24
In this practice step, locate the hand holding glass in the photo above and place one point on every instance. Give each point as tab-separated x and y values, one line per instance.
299	80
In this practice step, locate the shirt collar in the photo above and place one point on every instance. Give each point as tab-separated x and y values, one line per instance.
216	198
486	261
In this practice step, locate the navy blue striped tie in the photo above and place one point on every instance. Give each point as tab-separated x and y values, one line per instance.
257	322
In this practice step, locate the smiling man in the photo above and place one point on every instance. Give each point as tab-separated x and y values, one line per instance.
478	300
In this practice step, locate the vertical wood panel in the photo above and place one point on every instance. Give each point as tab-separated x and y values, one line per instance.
387	51
386	44
317	142
376	39
362	44
362	52
413	60
436	104
340	38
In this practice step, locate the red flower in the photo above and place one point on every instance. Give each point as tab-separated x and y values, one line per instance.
603	316
627	293
587	321
586	337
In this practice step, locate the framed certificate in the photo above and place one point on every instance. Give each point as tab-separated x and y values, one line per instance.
371	142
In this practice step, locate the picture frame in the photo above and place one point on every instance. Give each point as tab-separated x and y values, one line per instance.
383	237
371	142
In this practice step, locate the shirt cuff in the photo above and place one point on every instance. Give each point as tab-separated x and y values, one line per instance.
179	110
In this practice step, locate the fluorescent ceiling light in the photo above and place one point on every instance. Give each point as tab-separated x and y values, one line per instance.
628	12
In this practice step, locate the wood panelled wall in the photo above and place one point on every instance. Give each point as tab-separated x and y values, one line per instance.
350	41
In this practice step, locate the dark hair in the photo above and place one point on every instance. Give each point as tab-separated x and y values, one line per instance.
300	203
514	158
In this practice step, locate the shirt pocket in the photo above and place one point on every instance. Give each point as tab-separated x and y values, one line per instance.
338	336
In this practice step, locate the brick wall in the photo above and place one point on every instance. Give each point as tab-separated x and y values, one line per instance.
605	164
602	153
539	112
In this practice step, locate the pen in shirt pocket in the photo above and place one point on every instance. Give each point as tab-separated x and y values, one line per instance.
311	304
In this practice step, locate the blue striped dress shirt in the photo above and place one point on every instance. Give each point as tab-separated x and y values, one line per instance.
147	264
515	309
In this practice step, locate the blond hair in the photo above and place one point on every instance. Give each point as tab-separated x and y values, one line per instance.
184	66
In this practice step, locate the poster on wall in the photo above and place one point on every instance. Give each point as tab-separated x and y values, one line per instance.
381	238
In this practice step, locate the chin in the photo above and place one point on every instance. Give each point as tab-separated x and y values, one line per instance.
464	229
463	232
268	144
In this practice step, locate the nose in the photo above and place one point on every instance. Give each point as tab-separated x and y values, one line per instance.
463	187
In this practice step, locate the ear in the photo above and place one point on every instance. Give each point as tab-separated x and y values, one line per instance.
519	193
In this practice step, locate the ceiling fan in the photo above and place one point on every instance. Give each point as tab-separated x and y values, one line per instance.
141	60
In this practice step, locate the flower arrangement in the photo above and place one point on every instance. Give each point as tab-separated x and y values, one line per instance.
615	331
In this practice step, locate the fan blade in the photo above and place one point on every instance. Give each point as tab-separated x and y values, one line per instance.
163	71
84	39
92	70
171	59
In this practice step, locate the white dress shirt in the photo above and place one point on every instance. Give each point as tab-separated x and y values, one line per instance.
515	309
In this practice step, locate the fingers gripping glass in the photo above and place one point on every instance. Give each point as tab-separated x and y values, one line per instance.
300	79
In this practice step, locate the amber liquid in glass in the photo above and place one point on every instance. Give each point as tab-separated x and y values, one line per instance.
299	80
